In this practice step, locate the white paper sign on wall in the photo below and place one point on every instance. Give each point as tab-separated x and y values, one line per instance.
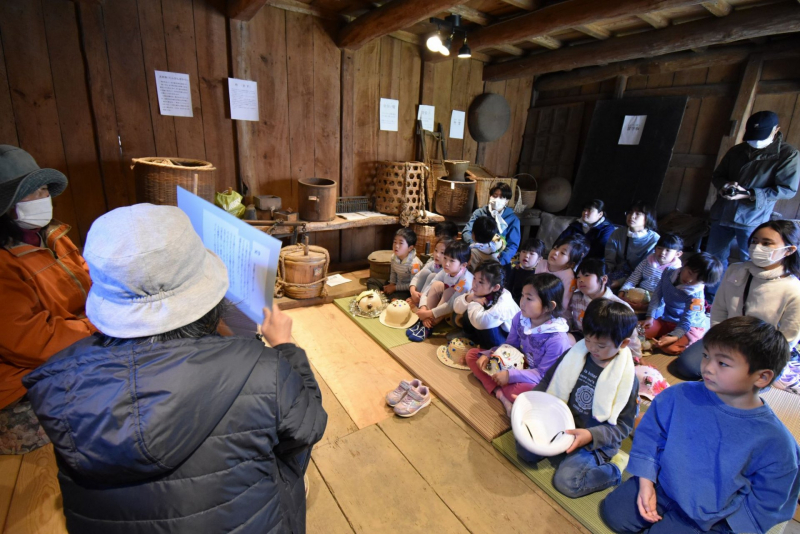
174	94
389	113
457	124
425	114
632	129
244	99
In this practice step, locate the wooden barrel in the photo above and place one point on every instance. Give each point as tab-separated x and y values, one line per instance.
317	199
306	265
380	264
455	199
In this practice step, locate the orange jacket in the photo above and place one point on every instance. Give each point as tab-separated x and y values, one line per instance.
42	298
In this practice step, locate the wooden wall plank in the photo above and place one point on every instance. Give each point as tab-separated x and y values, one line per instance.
129	83
348	80
517	127
32	94
154	48
442	88
660	80
474	88
300	66
213	70
690	77
179	34
712	124
458	101
75	119
8	127
410	79
781	69
487	153
389	87
327	93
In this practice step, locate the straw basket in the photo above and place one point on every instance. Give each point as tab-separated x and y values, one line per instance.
527	197
484	185
455	199
425	238
400	190
158	178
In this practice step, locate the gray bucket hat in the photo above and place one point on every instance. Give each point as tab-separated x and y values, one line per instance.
150	272
20	176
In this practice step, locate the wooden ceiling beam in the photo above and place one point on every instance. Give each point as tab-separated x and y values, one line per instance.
472	15
756	22
511	49
390	17
718	8
563	16
594	30
654	20
547	42
527	5
245	9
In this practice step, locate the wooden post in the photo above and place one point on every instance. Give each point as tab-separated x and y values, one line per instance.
619	86
741	112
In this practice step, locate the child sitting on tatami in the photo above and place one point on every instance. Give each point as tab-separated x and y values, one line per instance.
676	314
485	313
424	278
486	244
404	265
530	252
647	274
537	331
597	380
592	284
628	246
567	252
436	303
712	456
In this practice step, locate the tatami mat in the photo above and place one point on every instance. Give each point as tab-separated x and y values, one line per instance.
458	389
385	336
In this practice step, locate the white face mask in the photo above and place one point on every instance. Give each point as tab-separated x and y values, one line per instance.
497	204
34	214
762	256
760	144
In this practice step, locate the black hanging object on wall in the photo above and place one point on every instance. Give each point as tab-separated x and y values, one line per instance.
620	174
489	117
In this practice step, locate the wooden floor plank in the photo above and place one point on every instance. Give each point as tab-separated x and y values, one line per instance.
36	507
379	490
339	423
322	513
9	470
357	370
469	479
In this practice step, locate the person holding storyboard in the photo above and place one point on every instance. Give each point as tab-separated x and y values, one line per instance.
166	423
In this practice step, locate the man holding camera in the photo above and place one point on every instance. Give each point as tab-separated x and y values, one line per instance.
751	177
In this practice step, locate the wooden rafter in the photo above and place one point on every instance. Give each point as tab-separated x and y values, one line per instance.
511	49
594	30
391	16
245	9
654	20
563	16
718	8
547	42
471	14
527	5
767	20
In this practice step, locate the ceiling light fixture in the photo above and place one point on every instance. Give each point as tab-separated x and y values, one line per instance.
434	43
464	52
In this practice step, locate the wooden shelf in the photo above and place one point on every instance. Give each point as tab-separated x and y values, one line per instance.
339	223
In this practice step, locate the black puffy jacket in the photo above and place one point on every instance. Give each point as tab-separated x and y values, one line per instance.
188	436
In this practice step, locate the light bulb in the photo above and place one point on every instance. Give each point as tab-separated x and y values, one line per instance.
445	49
434	42
464	51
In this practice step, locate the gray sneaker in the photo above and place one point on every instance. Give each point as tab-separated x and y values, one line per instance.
414	401
397	394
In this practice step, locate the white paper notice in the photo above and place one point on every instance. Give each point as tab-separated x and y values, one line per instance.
389	113
337	280
174	94
457	124
632	129
425	114
244	99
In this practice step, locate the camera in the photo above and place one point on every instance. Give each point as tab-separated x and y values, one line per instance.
730	191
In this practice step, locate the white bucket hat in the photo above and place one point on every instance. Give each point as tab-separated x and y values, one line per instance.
150	272
539	420
398	314
451	353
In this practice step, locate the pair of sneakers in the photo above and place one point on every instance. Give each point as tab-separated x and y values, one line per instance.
408	398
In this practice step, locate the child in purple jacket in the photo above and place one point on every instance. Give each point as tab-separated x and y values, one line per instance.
537	331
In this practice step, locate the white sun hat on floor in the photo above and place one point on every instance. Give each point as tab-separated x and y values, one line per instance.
539	421
398	314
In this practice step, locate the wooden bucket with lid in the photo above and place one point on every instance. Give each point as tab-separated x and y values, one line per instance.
302	271
380	264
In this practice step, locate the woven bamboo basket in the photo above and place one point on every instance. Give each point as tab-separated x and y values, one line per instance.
528	197
455	199
400	190
484	185
425	238
159	178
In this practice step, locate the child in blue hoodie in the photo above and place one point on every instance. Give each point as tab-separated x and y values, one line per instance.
712	455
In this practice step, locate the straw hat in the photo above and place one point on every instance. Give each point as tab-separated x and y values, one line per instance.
151	272
398	314
539	420
368	304
505	357
454	351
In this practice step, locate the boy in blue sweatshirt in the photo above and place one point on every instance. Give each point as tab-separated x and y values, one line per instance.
711	455
676	314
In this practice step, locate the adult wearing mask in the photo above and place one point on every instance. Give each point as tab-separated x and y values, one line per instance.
594	226
507	221
750	179
43	281
160	424
766	287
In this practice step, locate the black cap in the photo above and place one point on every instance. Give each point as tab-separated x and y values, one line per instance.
760	125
